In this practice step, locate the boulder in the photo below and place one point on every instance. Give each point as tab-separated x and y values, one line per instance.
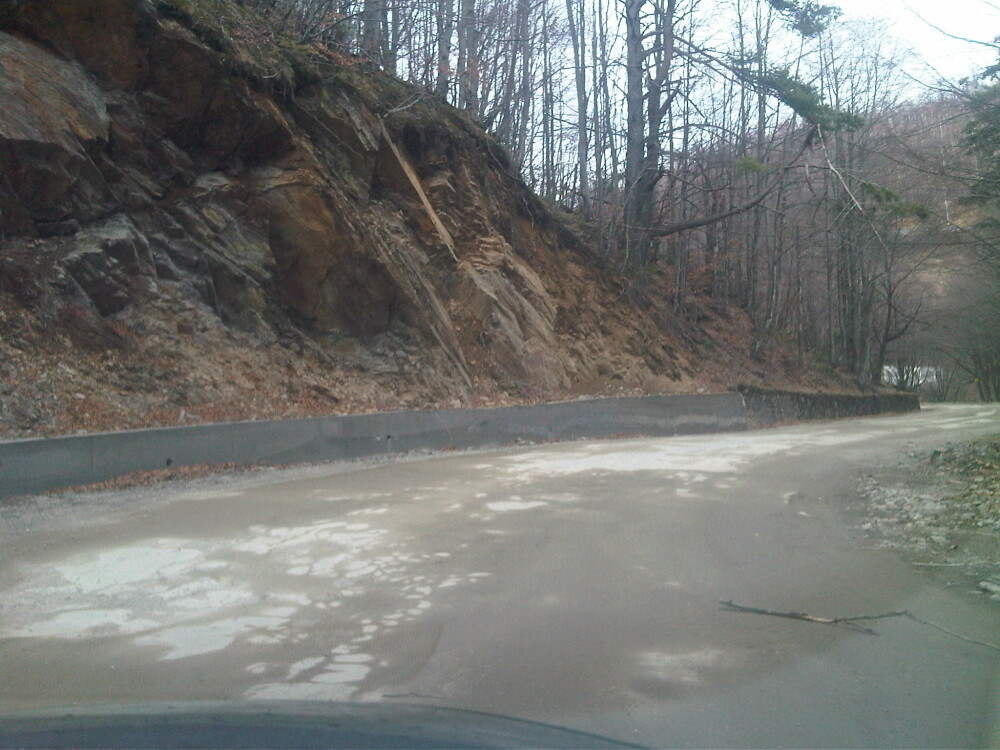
96	273
119	238
52	123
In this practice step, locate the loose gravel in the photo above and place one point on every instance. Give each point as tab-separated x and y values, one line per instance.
941	511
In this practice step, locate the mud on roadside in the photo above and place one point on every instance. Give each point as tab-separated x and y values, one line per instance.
941	511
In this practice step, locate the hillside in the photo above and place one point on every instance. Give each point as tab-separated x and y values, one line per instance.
199	222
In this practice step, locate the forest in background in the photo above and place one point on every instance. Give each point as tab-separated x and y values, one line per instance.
763	153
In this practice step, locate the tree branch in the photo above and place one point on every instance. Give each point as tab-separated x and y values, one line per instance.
683	226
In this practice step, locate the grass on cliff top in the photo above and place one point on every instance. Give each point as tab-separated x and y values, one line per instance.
280	63
251	48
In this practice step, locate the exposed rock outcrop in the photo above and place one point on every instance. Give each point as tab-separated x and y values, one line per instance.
176	186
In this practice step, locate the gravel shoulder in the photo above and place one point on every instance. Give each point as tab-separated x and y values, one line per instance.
940	510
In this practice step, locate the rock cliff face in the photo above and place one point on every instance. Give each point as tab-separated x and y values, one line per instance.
199	223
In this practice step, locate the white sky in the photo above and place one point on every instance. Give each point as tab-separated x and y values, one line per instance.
974	19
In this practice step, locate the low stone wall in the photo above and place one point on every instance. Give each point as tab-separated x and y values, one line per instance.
764	408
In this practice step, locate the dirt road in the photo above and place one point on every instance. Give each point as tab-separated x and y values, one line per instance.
575	584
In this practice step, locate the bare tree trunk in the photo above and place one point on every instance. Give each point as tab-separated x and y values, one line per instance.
646	76
502	116
445	29
577	30
520	145
373	41
468	57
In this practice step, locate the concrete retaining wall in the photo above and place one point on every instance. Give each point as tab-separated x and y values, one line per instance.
39	465
28	466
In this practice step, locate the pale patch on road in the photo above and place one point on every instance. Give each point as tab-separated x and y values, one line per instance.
504	506
683	667
692	458
189	597
83	623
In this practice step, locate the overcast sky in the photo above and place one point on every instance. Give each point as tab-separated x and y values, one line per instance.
974	19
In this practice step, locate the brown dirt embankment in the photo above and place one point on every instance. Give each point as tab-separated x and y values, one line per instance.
202	222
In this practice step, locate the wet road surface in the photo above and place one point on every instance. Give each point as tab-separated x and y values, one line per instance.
574	584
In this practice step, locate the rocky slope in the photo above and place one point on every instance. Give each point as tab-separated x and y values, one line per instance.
199	222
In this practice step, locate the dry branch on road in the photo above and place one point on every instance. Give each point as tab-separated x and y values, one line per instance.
852	622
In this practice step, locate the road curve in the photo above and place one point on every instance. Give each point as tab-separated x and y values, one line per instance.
574	584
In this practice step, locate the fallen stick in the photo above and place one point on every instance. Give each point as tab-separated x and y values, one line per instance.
793	615
851	622
952	633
